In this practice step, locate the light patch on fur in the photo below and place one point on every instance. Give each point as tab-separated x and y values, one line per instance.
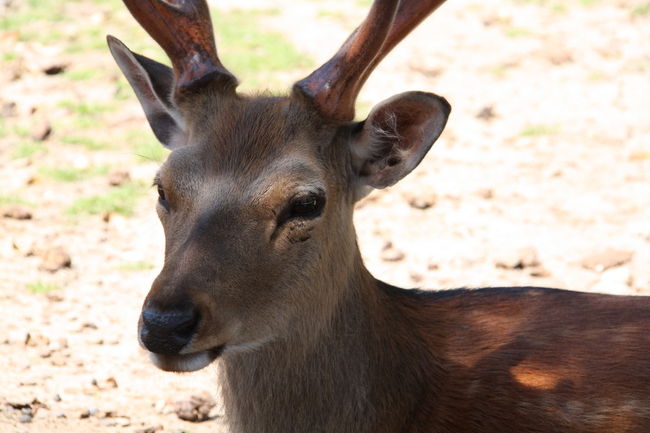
246	347
535	377
381	146
181	363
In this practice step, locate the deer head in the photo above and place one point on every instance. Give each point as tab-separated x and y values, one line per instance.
256	198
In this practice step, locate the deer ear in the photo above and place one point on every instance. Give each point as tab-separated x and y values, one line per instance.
396	135
153	84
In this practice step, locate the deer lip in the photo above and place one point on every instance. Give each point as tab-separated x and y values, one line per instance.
186	362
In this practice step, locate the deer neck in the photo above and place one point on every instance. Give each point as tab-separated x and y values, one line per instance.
340	378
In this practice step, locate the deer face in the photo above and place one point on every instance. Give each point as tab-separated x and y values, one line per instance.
249	206
256	197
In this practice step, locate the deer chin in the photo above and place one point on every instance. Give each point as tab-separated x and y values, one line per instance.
184	363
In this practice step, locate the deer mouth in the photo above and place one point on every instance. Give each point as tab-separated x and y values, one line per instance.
186	362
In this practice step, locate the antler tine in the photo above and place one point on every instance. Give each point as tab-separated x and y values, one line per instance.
409	15
334	87
184	30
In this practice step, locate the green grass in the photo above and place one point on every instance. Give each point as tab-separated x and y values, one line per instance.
641	10
334	15
145	146
9	56
83	108
517	32
83	115
27	150
539	130
85	142
120	200
500	71
7	199
86	39
83	74
252	53
136	266
597	76
40	287
18	130
63	174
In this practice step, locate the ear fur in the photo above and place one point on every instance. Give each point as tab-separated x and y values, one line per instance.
153	84
396	135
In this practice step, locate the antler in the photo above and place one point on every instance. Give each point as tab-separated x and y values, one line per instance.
333	88
184	30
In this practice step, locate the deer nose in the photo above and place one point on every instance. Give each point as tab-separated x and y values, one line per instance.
168	331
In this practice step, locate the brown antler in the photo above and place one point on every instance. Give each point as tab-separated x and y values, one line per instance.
184	30
334	87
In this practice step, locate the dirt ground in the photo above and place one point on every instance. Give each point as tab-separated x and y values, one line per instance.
542	177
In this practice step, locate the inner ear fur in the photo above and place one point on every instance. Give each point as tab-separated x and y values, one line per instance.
396	136
152	83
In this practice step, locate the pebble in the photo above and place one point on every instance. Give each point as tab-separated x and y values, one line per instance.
55	259
391	254
17	212
150	429
118	177
526	257
603	260
42	131
196	409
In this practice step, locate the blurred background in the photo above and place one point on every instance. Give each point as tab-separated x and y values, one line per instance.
542	177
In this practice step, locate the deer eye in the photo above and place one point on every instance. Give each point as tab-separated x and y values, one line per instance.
306	206
161	197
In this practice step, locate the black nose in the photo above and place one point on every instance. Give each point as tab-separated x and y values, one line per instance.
168	331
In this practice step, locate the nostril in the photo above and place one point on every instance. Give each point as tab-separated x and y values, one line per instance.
167	332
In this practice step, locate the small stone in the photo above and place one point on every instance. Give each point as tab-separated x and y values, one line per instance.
123	421
118	177
25	418
17	212
55	68
61	415
54	259
56	397
485	193
160	406
150	429
486	113
196	409
539	272
8	109
391	254
42	132
421	200
522	258
416	277
607	259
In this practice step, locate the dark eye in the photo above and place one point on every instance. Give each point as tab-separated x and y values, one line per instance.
305	207
161	197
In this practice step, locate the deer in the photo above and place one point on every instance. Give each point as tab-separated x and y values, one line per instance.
263	275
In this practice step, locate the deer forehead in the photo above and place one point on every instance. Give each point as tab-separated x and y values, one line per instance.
265	180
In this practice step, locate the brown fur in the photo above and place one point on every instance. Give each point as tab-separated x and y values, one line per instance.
341	351
309	340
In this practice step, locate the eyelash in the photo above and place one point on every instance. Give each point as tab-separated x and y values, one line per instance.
308	206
